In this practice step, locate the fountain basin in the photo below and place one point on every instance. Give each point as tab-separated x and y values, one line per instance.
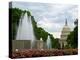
26	44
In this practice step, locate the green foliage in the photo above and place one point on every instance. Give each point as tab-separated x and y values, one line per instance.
15	15
72	39
62	45
38	31
55	43
43	34
28	13
67	46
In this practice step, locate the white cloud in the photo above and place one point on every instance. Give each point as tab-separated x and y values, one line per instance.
56	34
51	17
45	23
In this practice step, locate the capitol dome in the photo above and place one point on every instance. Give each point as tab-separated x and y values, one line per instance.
64	33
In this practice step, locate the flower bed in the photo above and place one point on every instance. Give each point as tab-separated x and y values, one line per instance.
25	53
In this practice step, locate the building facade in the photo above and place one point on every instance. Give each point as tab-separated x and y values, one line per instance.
64	34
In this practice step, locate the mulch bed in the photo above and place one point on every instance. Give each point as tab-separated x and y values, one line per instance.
27	53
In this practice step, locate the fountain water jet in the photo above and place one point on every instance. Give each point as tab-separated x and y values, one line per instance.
49	43
25	29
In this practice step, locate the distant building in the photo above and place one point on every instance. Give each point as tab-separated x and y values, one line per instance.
65	32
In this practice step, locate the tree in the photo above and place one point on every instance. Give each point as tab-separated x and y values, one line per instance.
38	31
72	39
16	14
55	43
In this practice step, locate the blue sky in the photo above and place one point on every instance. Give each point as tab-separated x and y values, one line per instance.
51	17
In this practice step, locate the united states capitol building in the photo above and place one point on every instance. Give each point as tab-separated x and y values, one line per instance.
64	34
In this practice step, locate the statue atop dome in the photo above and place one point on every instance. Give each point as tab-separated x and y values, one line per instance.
66	22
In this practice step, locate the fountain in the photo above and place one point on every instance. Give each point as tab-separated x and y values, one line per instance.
48	43
41	44
25	29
